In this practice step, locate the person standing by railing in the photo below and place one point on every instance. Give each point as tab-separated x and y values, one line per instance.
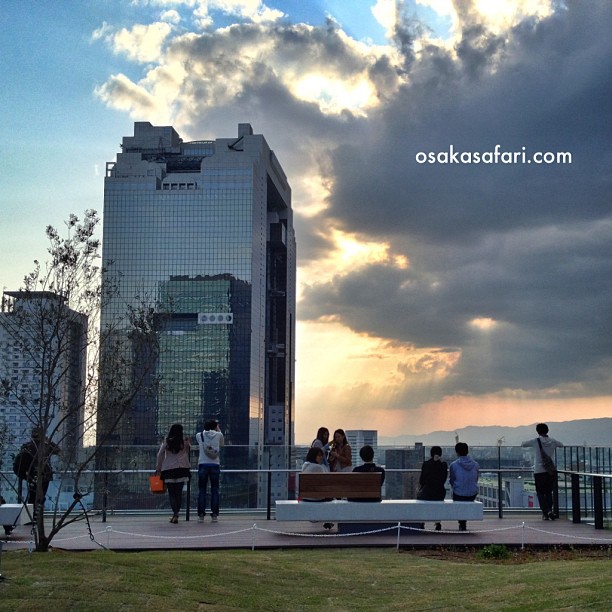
173	465
545	481
33	464
322	442
210	442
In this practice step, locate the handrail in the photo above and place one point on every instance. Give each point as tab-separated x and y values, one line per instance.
596	503
591	474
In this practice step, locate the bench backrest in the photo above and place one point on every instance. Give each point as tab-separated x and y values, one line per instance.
318	485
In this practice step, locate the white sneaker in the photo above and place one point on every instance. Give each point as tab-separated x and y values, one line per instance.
214	518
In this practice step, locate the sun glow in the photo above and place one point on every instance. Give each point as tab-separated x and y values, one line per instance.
350	374
334	95
483	323
349	252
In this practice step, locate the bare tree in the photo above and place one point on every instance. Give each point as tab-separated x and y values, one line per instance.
54	323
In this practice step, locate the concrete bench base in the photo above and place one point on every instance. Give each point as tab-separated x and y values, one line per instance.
373	528
15	514
388	510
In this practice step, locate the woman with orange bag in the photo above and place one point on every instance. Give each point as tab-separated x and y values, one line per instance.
174	465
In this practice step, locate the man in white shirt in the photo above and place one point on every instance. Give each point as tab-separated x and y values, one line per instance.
545	483
210	442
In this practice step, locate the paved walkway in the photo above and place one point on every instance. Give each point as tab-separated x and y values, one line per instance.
154	532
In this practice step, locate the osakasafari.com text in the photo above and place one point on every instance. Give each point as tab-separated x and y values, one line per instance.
496	156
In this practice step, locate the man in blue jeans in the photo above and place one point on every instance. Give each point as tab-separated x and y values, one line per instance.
463	476
210	442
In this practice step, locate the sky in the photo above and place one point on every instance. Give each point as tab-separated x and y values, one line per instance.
445	277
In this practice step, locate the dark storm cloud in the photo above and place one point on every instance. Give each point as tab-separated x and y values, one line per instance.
523	104
526	245
549	289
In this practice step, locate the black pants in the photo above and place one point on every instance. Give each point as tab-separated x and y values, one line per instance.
460	498
545	486
31	499
175	494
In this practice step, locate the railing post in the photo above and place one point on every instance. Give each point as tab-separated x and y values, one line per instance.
500	496
598	501
269	508
105	497
188	500
500	499
575	498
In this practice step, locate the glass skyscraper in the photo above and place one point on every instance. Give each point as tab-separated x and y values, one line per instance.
203	231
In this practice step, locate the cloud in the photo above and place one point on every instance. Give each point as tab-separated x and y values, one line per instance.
125	95
141	43
492	278
524	245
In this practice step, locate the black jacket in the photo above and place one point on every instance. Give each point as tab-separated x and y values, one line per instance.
432	479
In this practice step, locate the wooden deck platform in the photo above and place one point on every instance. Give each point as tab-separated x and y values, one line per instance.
154	532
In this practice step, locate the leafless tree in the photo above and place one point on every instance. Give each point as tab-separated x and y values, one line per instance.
54	323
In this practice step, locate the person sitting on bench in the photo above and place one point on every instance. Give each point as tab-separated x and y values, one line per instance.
367	456
314	463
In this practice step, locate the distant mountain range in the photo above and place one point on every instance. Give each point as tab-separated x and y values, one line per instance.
588	432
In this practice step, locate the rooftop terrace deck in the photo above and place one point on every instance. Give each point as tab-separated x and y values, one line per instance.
154	532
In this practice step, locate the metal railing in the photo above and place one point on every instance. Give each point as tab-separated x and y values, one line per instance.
506	482
581	495
599	501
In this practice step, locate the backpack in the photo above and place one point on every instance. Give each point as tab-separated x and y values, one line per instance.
22	464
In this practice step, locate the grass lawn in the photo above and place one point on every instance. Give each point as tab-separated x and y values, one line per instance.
311	579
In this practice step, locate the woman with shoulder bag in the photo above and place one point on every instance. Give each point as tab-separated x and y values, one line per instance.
174	466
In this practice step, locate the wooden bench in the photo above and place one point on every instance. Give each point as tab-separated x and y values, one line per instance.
365	485
330	485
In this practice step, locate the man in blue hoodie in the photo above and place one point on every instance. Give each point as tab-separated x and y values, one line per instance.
463	477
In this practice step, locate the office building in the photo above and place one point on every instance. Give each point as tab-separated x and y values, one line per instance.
403	483
203	231
43	344
358	438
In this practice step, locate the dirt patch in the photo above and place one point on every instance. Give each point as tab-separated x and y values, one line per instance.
514	555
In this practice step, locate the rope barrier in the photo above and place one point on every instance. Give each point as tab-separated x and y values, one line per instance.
109	531
571	537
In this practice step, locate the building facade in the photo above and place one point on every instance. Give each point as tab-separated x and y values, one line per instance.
43	346
203	232
358	438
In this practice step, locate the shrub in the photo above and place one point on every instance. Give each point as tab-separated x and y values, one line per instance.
494	551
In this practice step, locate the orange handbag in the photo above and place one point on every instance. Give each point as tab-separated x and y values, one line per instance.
156	484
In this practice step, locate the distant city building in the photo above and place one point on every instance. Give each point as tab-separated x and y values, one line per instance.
403	484
515	492
358	438
204	231
42	368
